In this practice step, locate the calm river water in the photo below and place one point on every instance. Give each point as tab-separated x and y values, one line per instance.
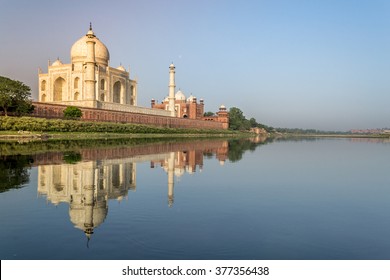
206	199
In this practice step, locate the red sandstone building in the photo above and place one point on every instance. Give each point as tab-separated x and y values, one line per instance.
191	109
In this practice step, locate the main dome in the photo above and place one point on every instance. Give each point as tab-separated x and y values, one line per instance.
78	52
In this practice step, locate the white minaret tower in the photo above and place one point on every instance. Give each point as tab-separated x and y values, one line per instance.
90	82
171	95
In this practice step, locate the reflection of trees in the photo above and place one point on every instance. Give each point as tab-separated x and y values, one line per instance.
15	148
237	147
14	172
72	157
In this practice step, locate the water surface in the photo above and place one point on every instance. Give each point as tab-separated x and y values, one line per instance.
206	199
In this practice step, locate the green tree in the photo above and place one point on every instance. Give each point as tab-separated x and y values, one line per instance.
72	112
14	96
253	122
237	120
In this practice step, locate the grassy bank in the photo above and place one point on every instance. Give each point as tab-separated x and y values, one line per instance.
28	127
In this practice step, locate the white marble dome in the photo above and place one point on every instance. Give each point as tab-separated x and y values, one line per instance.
180	96
79	215
78	52
191	98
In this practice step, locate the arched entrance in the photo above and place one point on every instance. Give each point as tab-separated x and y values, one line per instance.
76	82
43	85
117	92
59	89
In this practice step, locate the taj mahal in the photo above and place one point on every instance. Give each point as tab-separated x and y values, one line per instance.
89	81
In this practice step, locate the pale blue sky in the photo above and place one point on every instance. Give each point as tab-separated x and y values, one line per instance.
287	63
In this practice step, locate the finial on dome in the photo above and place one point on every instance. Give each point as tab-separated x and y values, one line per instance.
90	33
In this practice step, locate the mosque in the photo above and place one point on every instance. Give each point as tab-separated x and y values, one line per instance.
88	81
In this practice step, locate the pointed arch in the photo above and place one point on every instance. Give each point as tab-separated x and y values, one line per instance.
59	89
43	85
117	92
76	83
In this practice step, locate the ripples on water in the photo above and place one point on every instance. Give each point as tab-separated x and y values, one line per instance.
206	199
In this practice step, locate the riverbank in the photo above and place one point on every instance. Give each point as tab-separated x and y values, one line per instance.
39	136
30	129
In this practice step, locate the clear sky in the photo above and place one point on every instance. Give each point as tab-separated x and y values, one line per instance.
322	64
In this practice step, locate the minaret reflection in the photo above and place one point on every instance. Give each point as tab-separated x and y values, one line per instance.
176	164
86	187
171	169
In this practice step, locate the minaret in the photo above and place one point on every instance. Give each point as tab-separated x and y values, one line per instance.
171	95
90	82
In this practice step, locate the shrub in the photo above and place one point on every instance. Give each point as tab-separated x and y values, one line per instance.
72	113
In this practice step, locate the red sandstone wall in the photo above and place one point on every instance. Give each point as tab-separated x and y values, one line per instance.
218	147
47	110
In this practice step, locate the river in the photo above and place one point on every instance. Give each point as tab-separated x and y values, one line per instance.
304	199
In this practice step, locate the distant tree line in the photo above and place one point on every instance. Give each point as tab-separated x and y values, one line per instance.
307	131
237	121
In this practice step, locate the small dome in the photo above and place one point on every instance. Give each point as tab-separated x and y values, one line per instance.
121	68
172	66
189	169
191	98
78	52
166	99
180	96
222	107
179	171
58	62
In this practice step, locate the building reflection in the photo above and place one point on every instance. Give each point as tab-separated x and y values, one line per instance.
110	173
86	187
188	161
